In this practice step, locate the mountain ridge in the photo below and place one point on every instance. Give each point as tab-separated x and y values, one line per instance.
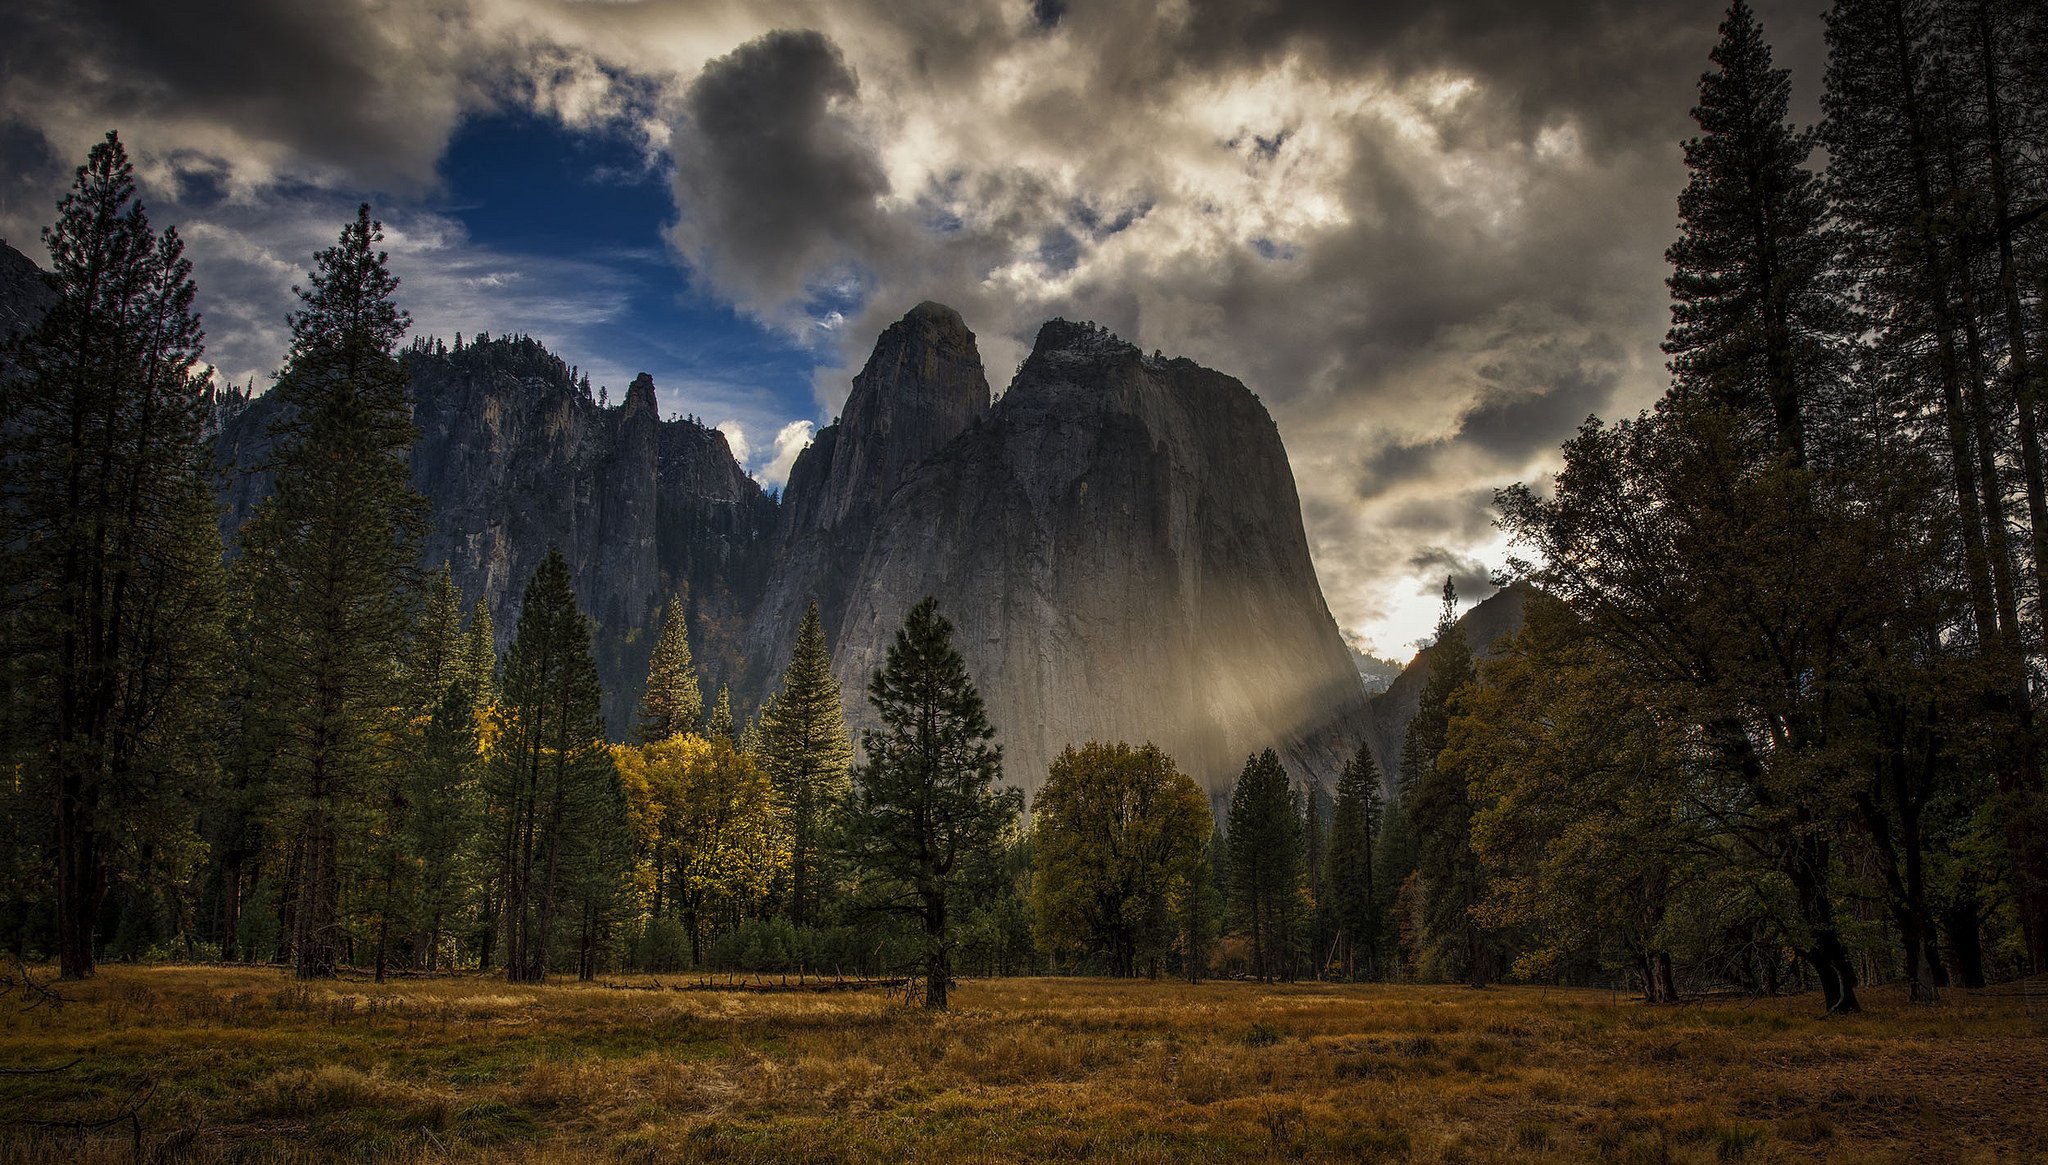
1117	536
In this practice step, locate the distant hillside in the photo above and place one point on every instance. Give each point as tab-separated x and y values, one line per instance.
1389	712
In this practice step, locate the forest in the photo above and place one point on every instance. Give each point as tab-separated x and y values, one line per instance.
1774	722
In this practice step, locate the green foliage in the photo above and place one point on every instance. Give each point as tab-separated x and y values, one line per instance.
1354	876
112	626
720	724
554	797
325	573
672	703
805	749
1436	798
925	800
1268	894
1118	842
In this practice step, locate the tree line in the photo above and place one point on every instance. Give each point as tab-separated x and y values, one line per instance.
309	751
1773	719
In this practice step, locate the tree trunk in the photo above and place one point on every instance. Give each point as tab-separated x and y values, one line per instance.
1964	920
937	967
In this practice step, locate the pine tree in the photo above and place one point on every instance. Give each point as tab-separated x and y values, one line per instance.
719	727
1266	874
554	795
1355	824
451	685
326	565
925	799
1321	930
1758	314
1924	103
1439	808
113	631
672	704
480	654
805	750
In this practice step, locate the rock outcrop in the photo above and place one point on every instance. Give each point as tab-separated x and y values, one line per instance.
1118	540
514	456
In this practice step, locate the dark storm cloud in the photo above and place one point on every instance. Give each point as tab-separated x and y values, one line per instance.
1428	233
331	83
1472	578
775	186
1609	63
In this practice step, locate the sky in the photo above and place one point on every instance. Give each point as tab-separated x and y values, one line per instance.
1427	233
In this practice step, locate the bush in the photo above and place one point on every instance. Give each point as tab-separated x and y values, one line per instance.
662	946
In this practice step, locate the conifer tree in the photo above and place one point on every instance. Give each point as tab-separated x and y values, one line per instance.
720	726
480	654
1321	925
113	629
554	795
925	800
1758	314
1439	809
1924	106
805	749
673	703
1266	874
451	685
1355	823
325	568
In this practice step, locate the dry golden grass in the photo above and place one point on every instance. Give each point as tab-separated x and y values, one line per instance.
250	1066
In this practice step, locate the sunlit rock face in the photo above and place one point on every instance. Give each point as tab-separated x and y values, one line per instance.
1118	541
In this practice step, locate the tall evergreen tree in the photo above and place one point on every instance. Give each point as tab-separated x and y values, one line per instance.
1354	827
720	724
1266	873
1440	810
672	704
925	799
1922	101
111	580
806	752
1758	314
451	684
554	794
326	567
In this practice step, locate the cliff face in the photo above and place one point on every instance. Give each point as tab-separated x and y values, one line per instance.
25	292
1118	541
514	457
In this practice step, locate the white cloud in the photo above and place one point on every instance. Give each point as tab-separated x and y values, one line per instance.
789	441
736	439
1428	236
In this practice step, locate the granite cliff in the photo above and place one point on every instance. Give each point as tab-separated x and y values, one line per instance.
514	455
1118	540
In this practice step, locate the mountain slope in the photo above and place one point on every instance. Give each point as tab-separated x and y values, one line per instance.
1485	625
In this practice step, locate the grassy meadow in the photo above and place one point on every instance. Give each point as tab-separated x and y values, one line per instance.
250	1065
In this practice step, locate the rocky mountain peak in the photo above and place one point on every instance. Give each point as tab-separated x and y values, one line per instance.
924	379
640	394
922	386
